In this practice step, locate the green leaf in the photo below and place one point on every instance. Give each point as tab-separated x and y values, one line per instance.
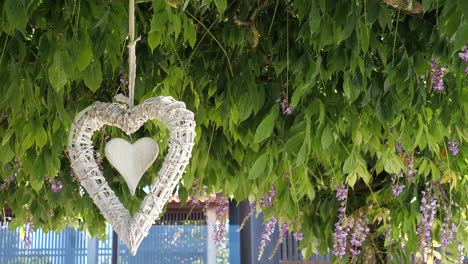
258	167
93	76
221	5
314	19
302	155
16	14
57	75
41	137
265	129
351	179
6	154
461	37
364	37
426	5
154	39
191	34
84	57
327	137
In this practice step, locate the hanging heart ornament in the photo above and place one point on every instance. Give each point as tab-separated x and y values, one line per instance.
181	125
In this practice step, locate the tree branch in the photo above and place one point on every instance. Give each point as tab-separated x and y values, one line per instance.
413	7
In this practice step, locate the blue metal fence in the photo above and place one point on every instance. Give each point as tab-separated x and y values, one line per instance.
70	247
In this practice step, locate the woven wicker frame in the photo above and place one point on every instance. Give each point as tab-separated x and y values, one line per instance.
181	125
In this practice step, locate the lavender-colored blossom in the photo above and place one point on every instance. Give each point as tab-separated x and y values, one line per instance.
56	186
222	206
284	228
298	236
267	199
437	74
360	232
453	147
463	54
447	232
428	211
286	109
340	237
448	228
411	171
268	230
341	231
399	148
461	253
397	189
29	226
220	231
341	192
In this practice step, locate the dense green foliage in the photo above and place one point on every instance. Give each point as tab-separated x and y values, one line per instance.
356	73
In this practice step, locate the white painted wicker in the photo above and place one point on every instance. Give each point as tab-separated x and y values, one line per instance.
181	125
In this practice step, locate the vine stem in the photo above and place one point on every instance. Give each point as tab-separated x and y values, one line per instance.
131	52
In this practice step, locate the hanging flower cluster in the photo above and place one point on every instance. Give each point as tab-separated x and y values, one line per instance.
55	185
463	54
268	230
427	213
411	171
453	147
267	199
437	74
360	232
286	109
269	227
221	218
397	187
29	229
298	236
348	228
341	230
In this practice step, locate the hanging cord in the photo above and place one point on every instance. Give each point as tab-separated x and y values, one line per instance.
131	52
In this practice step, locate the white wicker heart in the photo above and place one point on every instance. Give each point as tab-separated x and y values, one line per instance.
181	125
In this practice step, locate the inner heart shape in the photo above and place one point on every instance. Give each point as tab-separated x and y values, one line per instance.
131	160
131	229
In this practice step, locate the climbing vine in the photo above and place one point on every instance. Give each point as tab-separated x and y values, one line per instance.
300	95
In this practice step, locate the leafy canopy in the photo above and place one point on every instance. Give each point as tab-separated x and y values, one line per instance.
355	73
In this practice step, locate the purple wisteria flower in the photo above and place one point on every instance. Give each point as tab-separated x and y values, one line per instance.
286	109
341	231
463	54
453	147
29	227
397	188
220	231
341	192
461	253
411	171
56	186
268	230
437	74
360	232
298	236
399	149
267	199
428	211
